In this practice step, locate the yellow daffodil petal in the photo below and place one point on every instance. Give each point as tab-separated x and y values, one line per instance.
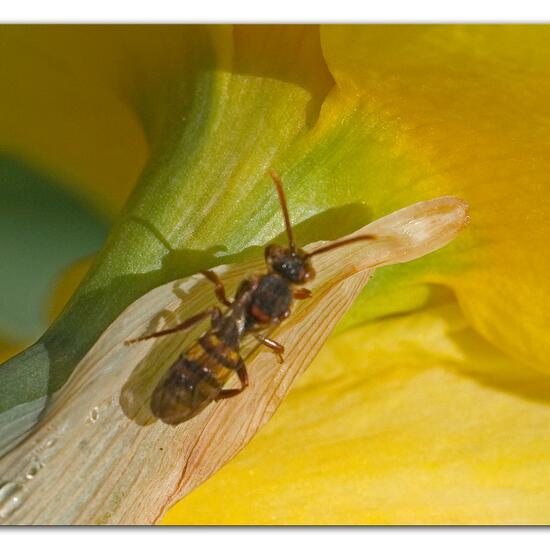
418	419
413	419
66	110
462	110
406	421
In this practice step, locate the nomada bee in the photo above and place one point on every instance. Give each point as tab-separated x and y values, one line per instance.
198	376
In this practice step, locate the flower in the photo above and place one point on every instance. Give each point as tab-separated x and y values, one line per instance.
430	405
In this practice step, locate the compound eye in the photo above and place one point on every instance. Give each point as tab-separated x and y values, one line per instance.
269	250
272	253
310	273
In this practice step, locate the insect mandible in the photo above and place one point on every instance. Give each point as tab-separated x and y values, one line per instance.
198	376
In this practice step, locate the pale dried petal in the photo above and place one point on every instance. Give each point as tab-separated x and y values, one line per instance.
100	457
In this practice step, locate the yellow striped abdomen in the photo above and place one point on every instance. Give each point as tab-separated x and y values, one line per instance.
194	380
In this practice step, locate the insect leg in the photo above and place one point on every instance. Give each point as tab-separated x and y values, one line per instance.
279	349
212	312
219	288
243	377
301	293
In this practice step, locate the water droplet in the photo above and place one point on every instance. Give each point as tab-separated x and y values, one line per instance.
6	489
10	498
33	469
51	442
94	415
10	506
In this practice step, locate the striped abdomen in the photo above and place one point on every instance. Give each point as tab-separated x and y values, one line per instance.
195	379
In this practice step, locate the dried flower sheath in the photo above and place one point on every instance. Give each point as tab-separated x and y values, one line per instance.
101	457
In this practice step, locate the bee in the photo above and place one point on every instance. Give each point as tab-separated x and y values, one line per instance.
197	378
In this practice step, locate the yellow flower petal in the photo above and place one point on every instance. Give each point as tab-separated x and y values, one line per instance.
411	420
462	110
61	113
437	426
416	112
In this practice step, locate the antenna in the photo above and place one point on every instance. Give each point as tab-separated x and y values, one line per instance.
342	243
280	190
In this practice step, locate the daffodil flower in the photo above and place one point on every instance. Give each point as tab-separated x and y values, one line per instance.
429	405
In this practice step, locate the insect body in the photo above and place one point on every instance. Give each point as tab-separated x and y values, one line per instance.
198	375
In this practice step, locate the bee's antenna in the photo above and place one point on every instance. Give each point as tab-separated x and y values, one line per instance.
280	190
341	243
